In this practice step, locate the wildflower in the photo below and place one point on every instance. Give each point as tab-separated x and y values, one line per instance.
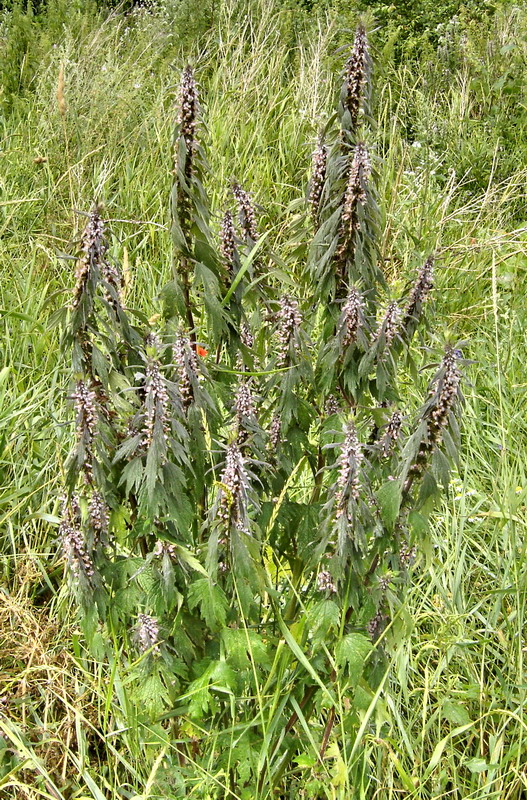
391	433
147	634
275	432
188	117
325	582
156	398
351	318
186	367
355	193
443	396
289	320
89	265
407	554
390	325
246	212
318	177
356	75
73	542
164	549
228	241
246	336
377	624
233	496
350	460
420	291
332	406
98	517
85	428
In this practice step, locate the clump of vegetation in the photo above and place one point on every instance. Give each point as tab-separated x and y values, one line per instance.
251	483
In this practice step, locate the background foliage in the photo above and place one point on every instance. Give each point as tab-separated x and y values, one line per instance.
452	135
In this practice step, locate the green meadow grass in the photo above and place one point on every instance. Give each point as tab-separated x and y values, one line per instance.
448	720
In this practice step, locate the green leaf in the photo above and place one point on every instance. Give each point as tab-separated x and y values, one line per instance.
456	713
352	651
389	498
211	601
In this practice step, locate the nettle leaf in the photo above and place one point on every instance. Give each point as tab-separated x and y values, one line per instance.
389	498
211	601
323	617
243	645
352	652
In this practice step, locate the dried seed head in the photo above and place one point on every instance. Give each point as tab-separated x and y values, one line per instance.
188	116
348	481
358	177
352	318
356	75
390	324
156	400
233	497
289	320
147	633
325	582
186	367
246	212
93	246
419	294
318	178
73	542
228	241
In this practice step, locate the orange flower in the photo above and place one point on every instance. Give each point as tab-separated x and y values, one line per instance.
202	351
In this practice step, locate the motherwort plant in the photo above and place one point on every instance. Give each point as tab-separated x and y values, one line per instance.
249	486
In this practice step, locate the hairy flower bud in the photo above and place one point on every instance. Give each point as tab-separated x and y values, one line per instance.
318	178
332	406
246	212
85	425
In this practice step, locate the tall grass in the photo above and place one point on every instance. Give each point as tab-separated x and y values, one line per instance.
448	719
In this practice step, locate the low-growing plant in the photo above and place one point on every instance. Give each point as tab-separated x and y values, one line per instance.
250	483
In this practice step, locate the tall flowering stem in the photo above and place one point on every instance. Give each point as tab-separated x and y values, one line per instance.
247	214
348	482
318	179
355	194
444	395
356	76
418	296
289	321
233	500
